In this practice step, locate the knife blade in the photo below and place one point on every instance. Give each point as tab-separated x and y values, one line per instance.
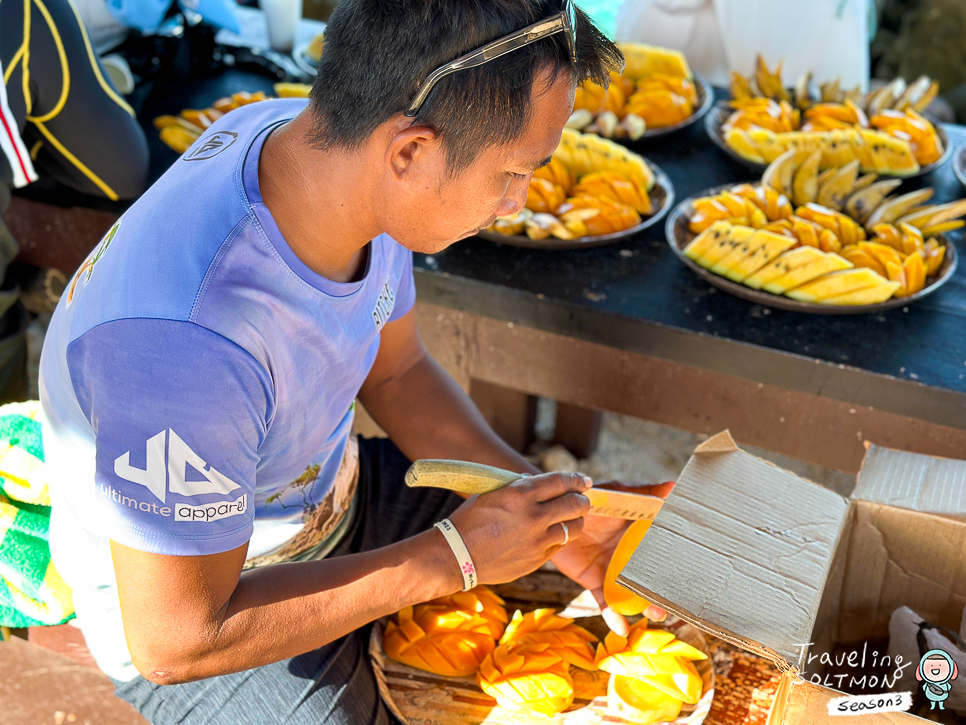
472	478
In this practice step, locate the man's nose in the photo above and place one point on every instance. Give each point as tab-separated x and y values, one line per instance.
516	197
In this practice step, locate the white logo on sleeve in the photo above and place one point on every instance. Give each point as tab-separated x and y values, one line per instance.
161	477
384	304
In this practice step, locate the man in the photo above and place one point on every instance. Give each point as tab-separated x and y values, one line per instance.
200	373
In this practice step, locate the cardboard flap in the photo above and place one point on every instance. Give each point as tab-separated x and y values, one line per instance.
913	481
741	548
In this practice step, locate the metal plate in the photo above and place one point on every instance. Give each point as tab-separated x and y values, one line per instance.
959	164
662	195
678	237
306	63
721	110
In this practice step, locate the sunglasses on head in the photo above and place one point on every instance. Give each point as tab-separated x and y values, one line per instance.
563	22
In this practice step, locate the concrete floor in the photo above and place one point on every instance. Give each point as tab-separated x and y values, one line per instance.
640	451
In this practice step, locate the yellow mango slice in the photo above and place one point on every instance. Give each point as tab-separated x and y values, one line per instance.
565	639
639	702
618	598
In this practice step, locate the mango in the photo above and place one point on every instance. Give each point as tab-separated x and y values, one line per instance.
618	598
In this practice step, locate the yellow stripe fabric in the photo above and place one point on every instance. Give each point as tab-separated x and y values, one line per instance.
64	68
13	64
25	73
108	191
97	69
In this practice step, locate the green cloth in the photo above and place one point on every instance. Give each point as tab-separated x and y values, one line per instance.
32	593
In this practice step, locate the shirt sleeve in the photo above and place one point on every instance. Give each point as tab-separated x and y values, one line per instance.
178	414
406	290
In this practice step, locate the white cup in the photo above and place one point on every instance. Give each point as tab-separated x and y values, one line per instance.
282	18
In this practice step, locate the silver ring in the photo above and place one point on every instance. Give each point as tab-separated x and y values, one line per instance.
566	533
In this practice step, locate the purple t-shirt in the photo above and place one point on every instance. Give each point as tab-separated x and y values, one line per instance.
199	380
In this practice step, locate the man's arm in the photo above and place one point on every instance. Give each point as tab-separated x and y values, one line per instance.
423	410
192	617
428	415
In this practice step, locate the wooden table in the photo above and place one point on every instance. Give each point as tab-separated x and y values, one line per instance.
629	329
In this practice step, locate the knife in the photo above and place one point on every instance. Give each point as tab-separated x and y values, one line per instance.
472	478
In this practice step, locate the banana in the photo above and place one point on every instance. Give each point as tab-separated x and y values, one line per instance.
770	84
780	172
928	98
803	96
805	182
581	118
540	226
836	190
943	227
863	202
885	96
890	211
916	90
830	91
934	215
739	86
863	181
514	224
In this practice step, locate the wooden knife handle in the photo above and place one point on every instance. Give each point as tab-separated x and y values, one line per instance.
459	476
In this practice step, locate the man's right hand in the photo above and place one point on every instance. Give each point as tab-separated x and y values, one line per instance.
511	532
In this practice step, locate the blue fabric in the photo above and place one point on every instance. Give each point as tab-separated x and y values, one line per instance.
198	379
147	15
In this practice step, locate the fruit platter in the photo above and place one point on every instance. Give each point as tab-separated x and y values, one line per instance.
462	659
885	130
655	94
179	132
592	193
832	242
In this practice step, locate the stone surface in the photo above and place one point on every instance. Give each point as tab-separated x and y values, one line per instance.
40	686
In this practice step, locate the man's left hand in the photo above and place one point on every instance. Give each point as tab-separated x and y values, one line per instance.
585	559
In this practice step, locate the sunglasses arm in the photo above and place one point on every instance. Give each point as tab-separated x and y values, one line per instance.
488	52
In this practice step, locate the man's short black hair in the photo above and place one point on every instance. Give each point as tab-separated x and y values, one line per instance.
377	52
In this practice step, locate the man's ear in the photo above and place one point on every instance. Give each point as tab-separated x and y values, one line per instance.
409	147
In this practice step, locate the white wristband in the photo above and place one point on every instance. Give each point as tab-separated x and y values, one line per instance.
462	554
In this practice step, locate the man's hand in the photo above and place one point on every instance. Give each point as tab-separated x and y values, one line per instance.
514	530
585	559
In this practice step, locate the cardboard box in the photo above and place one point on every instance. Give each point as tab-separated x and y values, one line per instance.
790	570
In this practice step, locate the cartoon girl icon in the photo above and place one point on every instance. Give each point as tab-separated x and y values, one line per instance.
936	672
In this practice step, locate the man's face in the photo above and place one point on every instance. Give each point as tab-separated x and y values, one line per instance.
436	209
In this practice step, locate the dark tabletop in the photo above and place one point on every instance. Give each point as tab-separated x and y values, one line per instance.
636	296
